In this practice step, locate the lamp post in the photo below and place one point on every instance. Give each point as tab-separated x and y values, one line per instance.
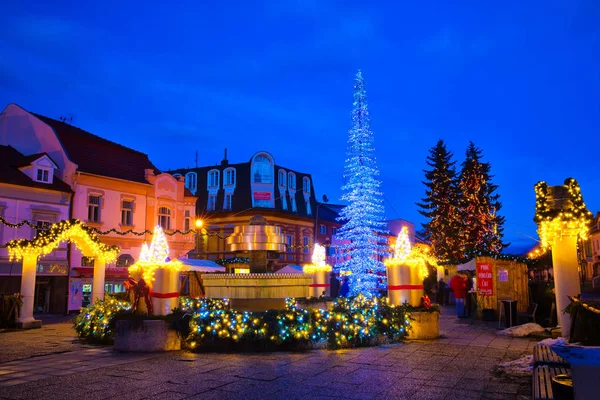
199	224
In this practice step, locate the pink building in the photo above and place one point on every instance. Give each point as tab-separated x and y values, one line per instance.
113	187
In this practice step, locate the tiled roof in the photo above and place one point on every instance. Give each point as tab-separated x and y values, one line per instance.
11	160
100	156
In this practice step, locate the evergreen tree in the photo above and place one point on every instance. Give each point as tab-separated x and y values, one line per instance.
482	229
442	230
363	218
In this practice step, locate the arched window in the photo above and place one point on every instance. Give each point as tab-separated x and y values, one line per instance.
306	184
213	178
229	177
282	178
262	169
191	181
125	260
164	217
292	180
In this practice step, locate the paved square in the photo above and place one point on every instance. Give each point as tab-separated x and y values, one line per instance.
54	365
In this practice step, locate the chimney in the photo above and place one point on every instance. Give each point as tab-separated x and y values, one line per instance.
225	162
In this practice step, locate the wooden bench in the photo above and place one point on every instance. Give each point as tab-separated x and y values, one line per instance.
543	355
542	380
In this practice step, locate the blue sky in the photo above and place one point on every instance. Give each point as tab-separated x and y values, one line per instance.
520	80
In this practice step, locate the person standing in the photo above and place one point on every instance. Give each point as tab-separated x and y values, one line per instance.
439	295
469	295
459	286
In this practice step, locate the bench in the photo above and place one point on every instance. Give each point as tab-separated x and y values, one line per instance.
543	355
542	380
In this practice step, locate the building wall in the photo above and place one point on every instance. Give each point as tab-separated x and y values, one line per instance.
18	203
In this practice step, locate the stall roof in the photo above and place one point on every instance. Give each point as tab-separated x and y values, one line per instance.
200	265
290	269
468	266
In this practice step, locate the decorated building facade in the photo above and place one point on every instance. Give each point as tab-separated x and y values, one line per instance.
115	189
230	194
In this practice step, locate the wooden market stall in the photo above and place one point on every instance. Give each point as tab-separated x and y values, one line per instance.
496	280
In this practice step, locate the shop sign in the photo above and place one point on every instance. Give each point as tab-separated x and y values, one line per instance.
485	279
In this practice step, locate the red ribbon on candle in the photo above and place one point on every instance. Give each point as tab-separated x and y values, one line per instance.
405	287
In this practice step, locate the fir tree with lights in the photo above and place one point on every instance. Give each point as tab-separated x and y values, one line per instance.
363	218
440	205
482	229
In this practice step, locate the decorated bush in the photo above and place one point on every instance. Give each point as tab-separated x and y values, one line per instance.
97	321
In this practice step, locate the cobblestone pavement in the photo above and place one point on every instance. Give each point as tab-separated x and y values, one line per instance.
458	366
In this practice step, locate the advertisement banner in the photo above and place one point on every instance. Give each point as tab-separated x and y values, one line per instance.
262	196
485	279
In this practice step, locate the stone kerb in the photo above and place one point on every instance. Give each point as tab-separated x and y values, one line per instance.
145	336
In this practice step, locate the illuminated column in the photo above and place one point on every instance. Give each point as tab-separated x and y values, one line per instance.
562	218
26	319
98	282
416	286
165	290
566	276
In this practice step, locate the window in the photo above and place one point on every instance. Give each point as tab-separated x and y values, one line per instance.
305	242
334	231
230	177
293	203
87	261
261	169
43	175
94	208
186	221
213	178
282	178
127	213
164	217
288	241
227	202
124	261
212	203
308	210
292	180
323	229
191	181
306	184
41	226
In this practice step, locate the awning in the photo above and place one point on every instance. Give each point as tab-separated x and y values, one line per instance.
468	266
200	266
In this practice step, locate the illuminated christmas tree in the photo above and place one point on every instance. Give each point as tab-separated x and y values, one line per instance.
482	228
363	218
440	205
403	246
159	248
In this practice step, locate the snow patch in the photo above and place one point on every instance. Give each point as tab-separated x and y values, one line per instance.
519	367
561	341
522	330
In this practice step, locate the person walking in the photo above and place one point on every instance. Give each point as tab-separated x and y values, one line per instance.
458	285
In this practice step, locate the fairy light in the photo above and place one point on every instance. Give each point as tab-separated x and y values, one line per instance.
572	217
417	256
154	257
74	231
319	263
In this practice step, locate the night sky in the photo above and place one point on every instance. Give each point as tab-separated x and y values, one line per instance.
520	80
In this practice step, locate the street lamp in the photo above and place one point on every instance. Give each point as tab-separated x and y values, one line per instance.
199	224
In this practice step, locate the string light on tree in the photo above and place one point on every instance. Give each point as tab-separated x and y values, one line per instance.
154	257
361	235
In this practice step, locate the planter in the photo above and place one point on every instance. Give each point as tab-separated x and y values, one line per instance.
424	325
145	336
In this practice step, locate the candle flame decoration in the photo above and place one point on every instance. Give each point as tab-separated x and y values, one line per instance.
414	256
154	257
318	261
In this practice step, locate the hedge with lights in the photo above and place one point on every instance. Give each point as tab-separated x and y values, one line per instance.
96	322
349	322
47	241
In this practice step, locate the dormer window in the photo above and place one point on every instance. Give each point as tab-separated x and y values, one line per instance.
229	177
213	178
262	169
292	180
306	184
282	178
43	175
191	181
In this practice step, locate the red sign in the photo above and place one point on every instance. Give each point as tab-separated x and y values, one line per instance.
262	196
485	279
